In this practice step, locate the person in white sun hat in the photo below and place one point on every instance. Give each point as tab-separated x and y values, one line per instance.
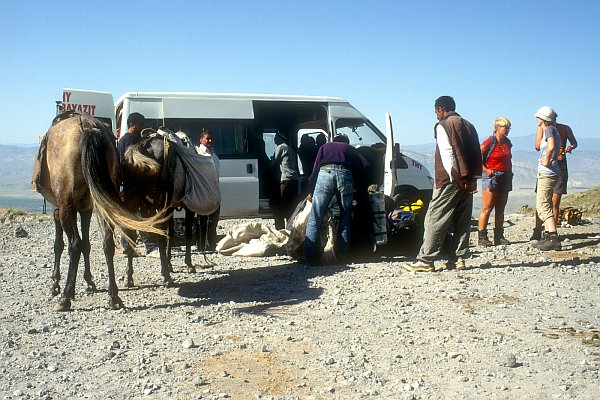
547	174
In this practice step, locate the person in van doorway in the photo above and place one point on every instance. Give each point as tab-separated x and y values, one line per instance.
338	169
496	181
560	188
457	168
286	160
548	174
135	125
208	223
307	152
320	140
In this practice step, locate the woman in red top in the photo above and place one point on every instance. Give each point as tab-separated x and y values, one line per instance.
496	181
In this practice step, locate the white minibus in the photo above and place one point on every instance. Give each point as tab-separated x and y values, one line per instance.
244	125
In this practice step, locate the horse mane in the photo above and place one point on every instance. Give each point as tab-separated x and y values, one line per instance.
149	177
139	160
65	115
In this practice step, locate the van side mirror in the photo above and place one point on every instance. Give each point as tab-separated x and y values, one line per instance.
399	161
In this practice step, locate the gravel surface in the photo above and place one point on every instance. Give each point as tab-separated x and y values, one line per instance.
516	324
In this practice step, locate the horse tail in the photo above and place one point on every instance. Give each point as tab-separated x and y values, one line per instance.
157	175
97	146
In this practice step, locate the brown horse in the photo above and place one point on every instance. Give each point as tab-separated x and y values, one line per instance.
79	173
160	173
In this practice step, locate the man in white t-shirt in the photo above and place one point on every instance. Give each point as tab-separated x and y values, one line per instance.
208	223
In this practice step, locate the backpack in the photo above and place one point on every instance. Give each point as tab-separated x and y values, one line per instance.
570	215
490	149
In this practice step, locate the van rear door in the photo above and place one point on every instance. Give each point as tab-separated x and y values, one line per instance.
97	104
389	173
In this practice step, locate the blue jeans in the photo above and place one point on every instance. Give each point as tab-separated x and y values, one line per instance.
333	180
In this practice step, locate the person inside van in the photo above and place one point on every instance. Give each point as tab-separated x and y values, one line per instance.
320	140
286	161
307	152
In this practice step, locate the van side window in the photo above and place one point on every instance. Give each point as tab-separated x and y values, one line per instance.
231	137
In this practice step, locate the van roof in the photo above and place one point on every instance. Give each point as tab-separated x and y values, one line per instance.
232	96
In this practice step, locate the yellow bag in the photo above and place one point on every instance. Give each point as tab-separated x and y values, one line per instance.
416	206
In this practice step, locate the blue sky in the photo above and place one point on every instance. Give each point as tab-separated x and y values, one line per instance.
496	58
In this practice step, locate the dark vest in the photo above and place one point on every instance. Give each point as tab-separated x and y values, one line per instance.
465	146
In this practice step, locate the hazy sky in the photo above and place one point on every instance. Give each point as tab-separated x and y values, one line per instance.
496	58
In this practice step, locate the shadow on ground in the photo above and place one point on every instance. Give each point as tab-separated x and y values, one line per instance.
271	286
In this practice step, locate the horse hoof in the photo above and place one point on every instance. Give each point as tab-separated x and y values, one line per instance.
169	282
91	288
190	269
54	291
63	304
116	304
129	284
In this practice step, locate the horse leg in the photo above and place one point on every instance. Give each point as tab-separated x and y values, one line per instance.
168	253
68	220
108	246
189	220
130	252
85	250
59	245
129	282
165	263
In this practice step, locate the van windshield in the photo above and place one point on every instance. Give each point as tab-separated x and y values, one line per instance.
360	132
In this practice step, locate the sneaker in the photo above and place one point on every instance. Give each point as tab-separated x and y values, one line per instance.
419	266
153	254
447	265
451	264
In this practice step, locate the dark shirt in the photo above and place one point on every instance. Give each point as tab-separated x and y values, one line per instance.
307	154
338	153
125	142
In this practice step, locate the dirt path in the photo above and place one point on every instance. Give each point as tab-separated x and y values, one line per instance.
516	324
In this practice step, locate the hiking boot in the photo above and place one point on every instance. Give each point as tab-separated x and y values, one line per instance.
483	238
537	234
550	241
499	238
419	266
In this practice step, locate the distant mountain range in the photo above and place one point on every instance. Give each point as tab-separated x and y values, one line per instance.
16	164
583	162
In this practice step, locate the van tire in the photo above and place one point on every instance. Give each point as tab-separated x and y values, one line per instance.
411	241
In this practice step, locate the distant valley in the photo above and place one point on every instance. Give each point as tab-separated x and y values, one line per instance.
16	164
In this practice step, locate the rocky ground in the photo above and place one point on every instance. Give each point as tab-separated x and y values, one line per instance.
517	323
